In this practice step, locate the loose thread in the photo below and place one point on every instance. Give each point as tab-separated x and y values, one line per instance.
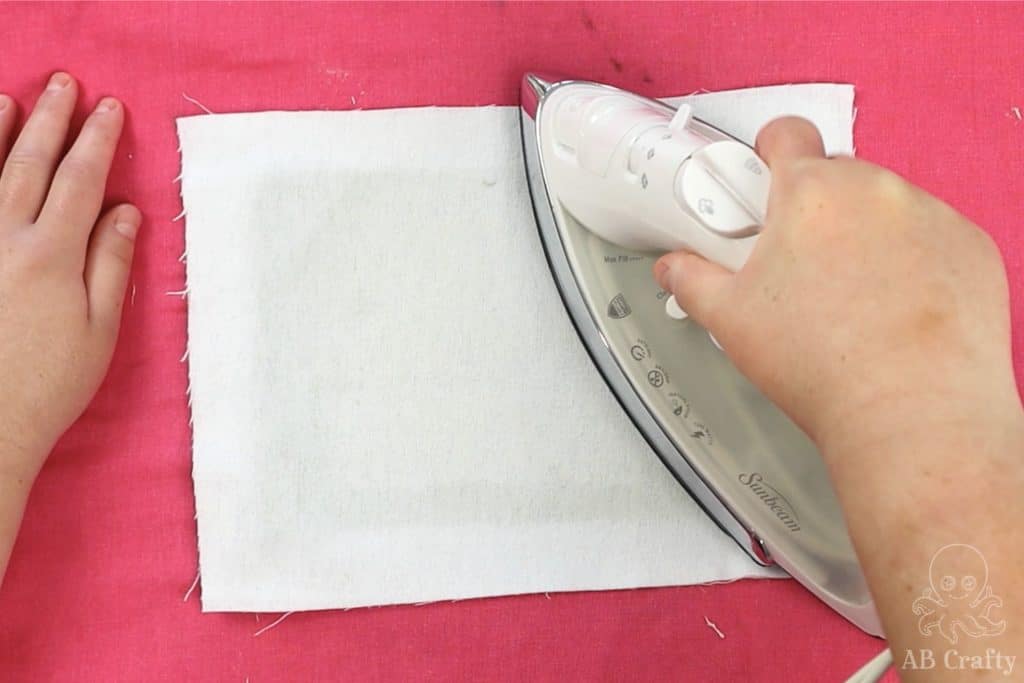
273	624
197	103
714	627
191	588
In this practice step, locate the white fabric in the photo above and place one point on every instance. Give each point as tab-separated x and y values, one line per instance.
389	402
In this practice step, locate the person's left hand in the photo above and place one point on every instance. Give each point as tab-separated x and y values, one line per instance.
63	270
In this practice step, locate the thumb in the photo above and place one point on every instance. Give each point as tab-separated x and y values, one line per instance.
108	264
698	284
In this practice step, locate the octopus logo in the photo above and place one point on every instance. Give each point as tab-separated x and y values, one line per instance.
959	599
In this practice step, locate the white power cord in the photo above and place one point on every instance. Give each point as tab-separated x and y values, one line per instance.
873	670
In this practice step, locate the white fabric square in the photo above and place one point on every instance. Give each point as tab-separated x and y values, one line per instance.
389	402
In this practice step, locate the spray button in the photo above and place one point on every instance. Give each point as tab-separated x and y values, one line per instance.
672	309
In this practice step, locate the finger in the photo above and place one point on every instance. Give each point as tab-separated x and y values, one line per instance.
787	138
8	113
108	264
76	196
698	284
29	166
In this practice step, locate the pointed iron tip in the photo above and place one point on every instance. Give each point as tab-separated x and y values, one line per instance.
533	89
539	84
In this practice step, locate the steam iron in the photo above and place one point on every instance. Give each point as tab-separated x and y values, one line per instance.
616	179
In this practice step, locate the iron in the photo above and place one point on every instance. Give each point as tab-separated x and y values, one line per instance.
616	179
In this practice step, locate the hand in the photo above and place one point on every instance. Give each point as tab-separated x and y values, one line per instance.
63	270
878	318
864	296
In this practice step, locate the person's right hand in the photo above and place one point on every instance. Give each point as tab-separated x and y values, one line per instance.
877	317
866	300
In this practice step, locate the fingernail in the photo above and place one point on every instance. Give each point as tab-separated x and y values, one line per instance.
3	102
661	274
58	81
107	104
127	227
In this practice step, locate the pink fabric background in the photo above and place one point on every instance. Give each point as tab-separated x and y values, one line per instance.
108	549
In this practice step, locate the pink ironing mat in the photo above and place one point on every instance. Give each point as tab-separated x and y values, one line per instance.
107	551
